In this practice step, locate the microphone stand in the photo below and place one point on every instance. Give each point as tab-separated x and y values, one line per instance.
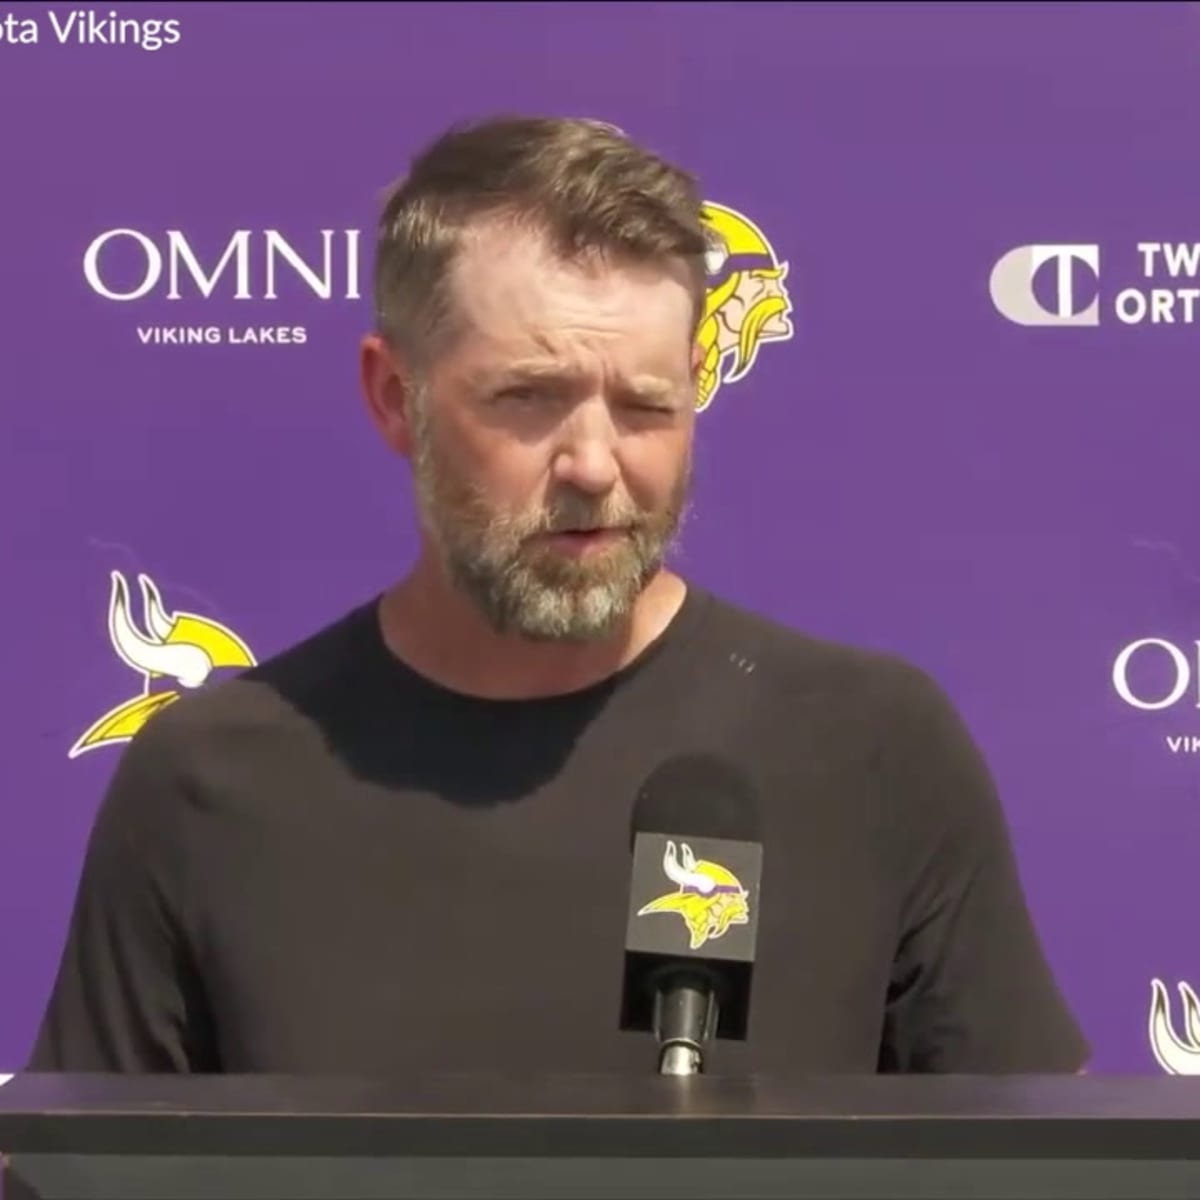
685	1020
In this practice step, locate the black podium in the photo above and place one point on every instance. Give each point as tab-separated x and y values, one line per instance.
253	1138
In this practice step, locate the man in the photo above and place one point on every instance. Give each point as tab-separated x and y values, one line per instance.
403	845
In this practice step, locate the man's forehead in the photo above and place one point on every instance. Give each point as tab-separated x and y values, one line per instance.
493	245
502	262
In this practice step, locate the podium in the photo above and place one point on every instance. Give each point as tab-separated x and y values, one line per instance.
104	1137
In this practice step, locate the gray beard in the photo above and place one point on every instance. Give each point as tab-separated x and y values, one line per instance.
518	591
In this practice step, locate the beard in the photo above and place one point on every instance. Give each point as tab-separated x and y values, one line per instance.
520	584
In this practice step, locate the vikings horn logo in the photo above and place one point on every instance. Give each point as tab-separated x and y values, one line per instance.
1176	1055
179	650
747	302
709	900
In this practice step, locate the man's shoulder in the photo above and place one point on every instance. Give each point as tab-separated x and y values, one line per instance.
872	719
886	714
241	741
796	659
290	687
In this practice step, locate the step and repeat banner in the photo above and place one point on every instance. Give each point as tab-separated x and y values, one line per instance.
957	415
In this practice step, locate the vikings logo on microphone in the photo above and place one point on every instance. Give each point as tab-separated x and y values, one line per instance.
710	898
177	650
747	303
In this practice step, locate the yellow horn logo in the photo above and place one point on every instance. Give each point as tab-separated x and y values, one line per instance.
709	897
1178	1053
748	303
180	649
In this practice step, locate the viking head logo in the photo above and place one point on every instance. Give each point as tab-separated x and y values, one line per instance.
177	650
709	899
1176	1055
747	301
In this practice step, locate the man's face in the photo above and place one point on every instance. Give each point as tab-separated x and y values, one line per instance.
552	439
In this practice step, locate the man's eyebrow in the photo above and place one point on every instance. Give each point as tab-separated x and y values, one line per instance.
533	368
653	386
646	386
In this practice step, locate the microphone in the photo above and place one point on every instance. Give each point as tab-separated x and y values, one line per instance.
692	921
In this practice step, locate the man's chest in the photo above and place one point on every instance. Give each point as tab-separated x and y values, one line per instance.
414	934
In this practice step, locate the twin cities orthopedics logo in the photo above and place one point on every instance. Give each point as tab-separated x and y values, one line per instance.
1081	284
255	268
1155	675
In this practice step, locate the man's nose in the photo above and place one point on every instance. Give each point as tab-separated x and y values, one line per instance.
586	456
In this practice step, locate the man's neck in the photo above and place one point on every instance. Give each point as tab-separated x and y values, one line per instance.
439	633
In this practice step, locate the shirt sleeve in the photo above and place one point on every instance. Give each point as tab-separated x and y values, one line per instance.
971	990
127	997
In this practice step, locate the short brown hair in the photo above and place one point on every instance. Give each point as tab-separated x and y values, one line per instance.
583	183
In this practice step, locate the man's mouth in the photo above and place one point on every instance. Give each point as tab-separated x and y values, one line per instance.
585	539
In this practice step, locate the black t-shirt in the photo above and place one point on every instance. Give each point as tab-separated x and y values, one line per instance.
332	865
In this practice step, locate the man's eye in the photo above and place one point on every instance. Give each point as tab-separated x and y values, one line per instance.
662	408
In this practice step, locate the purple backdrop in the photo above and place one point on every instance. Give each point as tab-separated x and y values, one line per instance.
954	456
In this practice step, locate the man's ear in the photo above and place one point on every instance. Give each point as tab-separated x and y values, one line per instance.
697	366
386	386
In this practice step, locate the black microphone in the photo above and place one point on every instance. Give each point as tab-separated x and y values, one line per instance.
693	909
